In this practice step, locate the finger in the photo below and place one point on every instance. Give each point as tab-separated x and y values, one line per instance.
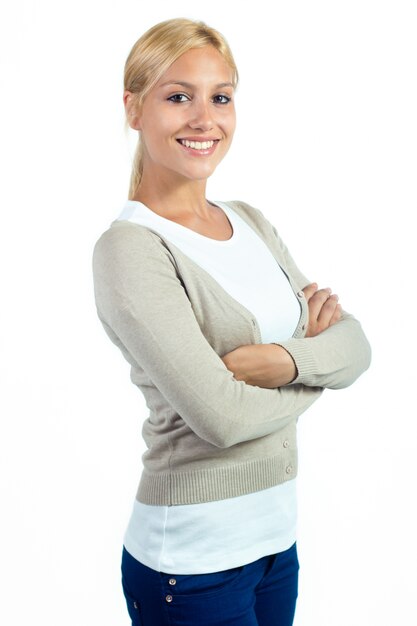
310	290
327	311
317	302
337	315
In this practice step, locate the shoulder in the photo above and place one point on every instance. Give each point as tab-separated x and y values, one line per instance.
123	235
246	209
240	206
254	217
125	244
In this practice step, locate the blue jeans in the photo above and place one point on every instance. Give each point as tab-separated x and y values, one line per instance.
262	593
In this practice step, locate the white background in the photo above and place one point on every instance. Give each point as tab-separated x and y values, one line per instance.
326	148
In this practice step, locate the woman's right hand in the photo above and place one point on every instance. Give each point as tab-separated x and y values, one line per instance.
323	307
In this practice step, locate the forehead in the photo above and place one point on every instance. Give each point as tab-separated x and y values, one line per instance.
198	65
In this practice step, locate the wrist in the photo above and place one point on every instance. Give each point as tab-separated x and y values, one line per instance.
286	368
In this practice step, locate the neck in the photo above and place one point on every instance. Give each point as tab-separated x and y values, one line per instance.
172	198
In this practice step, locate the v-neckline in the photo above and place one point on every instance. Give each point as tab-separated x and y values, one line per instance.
220	205
216	286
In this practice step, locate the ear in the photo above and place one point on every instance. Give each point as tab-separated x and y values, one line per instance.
131	109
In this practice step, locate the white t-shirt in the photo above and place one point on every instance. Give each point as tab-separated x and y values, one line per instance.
214	536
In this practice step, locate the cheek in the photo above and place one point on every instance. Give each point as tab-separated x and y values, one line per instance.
155	137
159	123
230	122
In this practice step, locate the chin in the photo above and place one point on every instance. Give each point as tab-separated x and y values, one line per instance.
200	173
201	177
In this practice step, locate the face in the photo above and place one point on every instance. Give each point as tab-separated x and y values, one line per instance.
188	119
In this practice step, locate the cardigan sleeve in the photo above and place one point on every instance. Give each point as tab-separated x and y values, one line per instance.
337	356
140	297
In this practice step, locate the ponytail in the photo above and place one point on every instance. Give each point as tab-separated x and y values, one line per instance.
137	169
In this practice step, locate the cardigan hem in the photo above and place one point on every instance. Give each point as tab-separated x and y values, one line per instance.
207	485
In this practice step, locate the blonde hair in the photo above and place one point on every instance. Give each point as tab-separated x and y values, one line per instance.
152	55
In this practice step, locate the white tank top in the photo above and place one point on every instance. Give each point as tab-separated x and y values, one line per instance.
214	536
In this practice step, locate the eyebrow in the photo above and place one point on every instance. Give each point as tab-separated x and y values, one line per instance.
190	85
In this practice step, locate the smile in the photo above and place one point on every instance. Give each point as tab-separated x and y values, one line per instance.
201	148
198	145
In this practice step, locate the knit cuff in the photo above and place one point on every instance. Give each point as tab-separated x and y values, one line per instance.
303	358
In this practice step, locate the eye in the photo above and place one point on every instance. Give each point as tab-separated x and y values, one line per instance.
176	97
225	100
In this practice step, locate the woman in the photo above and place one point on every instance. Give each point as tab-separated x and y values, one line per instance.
228	342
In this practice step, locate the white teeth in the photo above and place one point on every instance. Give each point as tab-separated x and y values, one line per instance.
197	145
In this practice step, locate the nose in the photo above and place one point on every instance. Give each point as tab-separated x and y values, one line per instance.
201	117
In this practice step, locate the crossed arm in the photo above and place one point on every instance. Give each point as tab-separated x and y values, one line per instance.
270	365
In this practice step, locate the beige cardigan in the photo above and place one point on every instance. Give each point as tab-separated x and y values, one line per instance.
209	436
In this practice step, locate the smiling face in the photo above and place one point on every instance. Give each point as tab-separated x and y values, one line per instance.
188	118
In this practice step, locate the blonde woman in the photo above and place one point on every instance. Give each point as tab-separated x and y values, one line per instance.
228	342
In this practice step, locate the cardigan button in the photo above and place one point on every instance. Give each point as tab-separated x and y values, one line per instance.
168	598
288	469
300	294
172	581
286	443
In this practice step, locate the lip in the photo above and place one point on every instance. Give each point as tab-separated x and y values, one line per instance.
198	138
199	153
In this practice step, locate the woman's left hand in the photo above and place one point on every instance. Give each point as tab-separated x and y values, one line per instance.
324	309
263	365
